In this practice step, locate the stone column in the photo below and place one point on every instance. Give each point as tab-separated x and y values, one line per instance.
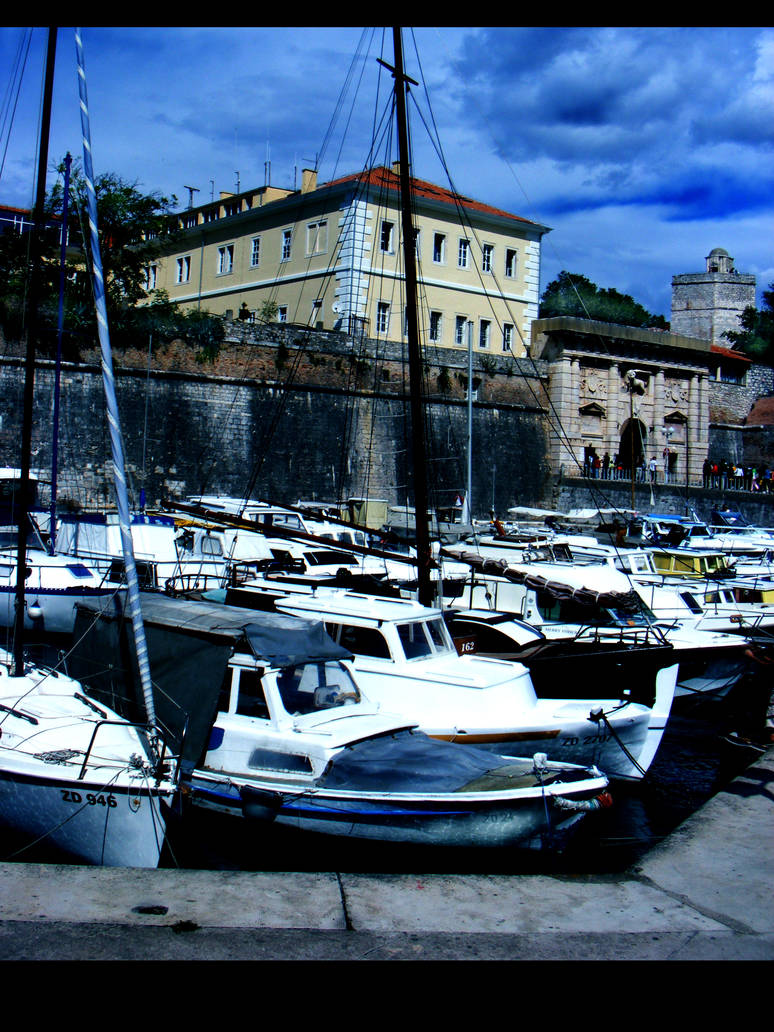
613	429
657	439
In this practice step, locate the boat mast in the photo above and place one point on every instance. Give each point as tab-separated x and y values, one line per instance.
421	501
24	497
111	403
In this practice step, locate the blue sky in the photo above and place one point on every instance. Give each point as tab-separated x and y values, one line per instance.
641	148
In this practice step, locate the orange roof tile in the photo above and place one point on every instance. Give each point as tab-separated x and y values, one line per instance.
385	177
718	349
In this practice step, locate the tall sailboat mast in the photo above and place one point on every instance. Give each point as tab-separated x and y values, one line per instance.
418	437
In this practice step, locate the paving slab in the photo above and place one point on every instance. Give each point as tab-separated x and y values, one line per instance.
203	899
515	905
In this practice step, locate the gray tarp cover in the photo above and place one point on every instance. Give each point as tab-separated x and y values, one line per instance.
189	646
408	761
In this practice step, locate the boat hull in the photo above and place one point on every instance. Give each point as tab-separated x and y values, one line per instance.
451	820
114	825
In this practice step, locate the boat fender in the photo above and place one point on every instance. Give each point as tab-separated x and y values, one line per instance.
259	806
601	802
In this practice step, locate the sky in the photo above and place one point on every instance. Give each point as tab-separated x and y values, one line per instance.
641	148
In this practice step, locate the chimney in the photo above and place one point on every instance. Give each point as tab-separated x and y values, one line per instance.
308	180
396	168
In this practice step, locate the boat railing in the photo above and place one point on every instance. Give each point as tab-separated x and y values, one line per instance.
157	766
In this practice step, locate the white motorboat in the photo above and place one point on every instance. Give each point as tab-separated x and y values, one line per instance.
274	727
76	776
593	600
408	663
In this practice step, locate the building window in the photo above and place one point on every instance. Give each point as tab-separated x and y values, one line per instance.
282	313
287	241
382	317
151	272
484	333
225	259
511	256
463	254
387	242
183	269
255	252
507	336
317	237
210	215
317	314
190	221
231	209
460	326
439	248
486	257
435	327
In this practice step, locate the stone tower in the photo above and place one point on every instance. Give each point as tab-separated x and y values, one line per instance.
706	304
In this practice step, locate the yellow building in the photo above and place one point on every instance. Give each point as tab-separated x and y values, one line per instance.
329	257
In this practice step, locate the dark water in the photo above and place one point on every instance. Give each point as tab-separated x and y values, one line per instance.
693	763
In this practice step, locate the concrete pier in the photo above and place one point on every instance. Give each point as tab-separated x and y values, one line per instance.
705	893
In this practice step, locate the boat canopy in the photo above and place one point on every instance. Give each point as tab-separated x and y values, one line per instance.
189	648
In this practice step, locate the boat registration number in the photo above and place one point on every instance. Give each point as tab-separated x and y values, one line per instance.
70	796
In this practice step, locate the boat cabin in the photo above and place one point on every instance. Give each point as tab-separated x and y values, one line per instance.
679	563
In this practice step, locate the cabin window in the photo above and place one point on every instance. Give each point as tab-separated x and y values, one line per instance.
690	601
360	641
211	546
316	686
251	701
414	640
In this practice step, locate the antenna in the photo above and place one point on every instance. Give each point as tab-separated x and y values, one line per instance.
238	184
191	191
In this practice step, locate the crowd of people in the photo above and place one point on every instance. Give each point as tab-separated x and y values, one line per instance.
723	475
735	477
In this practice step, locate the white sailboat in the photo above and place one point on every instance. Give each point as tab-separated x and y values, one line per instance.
73	773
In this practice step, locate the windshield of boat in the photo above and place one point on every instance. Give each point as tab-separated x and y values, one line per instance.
570	611
316	686
423	638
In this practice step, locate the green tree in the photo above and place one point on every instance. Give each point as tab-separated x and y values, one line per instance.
756	338
575	295
133	226
132	229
